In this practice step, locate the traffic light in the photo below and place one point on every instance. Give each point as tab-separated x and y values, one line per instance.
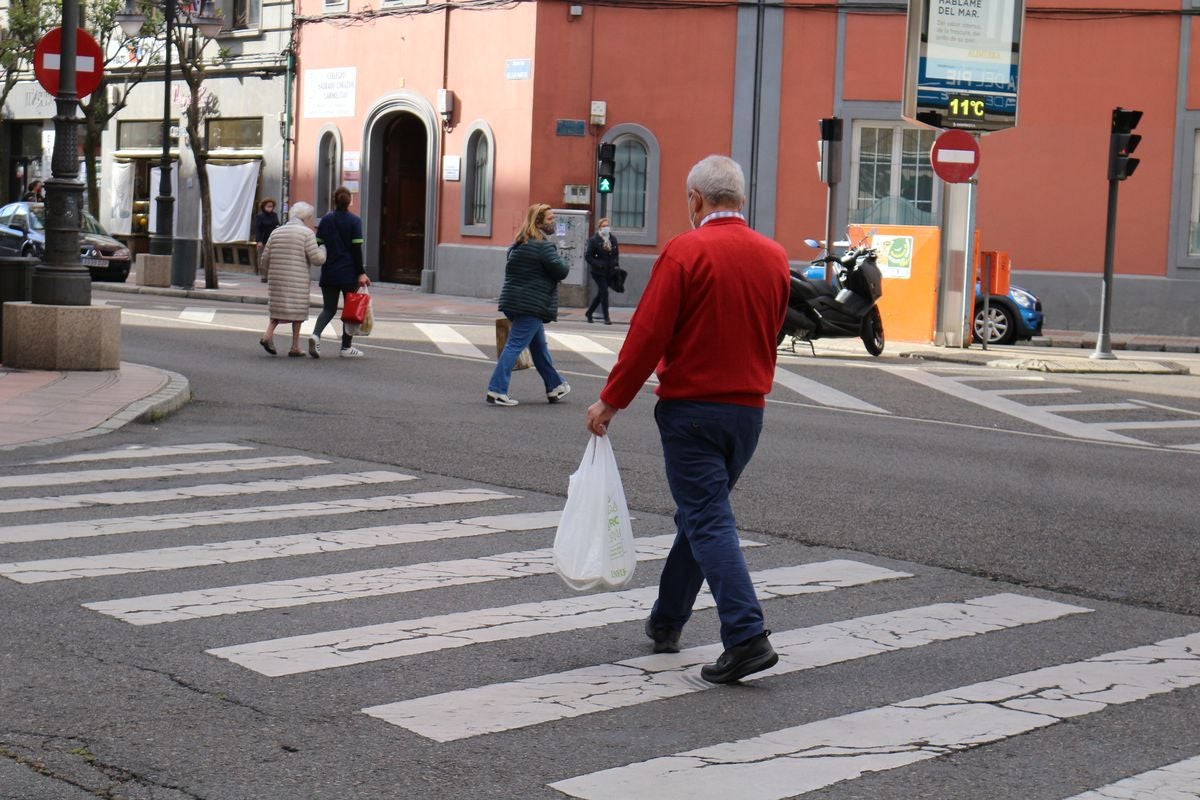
1122	144
607	157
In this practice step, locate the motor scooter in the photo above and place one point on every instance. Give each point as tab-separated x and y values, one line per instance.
846	307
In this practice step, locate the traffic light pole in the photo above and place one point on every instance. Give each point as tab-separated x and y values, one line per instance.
1103	342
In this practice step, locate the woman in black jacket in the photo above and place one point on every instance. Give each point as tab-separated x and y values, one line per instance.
530	299
602	255
265	221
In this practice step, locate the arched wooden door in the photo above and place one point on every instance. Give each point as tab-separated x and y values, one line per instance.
402	200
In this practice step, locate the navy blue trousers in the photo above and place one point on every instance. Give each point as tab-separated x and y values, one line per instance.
706	446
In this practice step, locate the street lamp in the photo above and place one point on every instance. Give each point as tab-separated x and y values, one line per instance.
209	24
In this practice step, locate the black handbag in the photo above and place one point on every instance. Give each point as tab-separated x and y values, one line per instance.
617	281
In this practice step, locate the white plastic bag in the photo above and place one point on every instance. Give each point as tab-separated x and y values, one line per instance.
593	547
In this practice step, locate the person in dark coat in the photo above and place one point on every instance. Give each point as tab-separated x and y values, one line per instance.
265	222
35	194
342	235
529	299
602	255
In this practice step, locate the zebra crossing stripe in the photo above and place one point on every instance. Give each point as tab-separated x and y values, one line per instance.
177	606
1037	415
545	698
820	393
217	553
450	341
593	351
329	649
136	497
194	314
795	761
49	531
176	470
1178	781
137	451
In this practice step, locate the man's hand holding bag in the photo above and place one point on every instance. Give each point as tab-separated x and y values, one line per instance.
593	547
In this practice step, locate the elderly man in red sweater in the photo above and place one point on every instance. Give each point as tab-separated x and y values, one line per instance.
708	322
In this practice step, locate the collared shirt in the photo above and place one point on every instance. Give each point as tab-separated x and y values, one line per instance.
721	215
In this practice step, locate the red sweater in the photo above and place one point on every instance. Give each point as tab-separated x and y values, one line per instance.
708	319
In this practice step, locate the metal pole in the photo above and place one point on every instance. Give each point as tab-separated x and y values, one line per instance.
969	265
61	279
1103	344
161	241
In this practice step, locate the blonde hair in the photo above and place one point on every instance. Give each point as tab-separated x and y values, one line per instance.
534	217
600	223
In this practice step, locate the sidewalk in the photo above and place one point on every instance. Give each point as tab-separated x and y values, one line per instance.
50	407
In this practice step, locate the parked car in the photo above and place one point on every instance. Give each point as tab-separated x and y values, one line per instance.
1014	316
23	233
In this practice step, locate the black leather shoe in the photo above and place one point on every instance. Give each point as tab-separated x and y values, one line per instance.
666	640
589	319
741	660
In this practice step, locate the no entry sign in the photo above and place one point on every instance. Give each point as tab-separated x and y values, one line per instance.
89	62
955	156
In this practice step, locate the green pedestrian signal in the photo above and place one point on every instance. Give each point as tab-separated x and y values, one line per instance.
606	169
605	186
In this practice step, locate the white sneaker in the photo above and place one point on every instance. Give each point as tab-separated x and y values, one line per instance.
352	352
558	392
314	346
497	399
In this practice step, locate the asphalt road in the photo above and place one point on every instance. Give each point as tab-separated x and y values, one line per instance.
954	499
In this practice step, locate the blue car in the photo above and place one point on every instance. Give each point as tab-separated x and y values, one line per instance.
1013	317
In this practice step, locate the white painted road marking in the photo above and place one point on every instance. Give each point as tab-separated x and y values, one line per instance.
217	553
194	519
592	350
820	393
137	451
545	698
795	761
176	470
329	649
1178	781
177	606
198	314
1037	415
450	341
136	497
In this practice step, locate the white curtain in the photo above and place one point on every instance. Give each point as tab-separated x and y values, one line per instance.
120	198
233	191
154	173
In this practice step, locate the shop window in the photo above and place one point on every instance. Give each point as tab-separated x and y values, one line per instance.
241	15
892	181
479	166
135	135
633	204
234	134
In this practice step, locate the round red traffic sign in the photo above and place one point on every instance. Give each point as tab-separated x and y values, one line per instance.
89	62
955	156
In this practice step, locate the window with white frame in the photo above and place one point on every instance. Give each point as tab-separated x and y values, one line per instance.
1194	217
892	181
241	15
479	170
633	204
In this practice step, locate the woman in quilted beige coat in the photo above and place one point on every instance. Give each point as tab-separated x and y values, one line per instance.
290	252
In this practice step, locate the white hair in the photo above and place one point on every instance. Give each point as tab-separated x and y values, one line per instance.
719	180
303	211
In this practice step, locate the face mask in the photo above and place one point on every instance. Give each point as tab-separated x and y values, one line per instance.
605	231
547	228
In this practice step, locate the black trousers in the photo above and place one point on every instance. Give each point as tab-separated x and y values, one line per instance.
331	295
601	298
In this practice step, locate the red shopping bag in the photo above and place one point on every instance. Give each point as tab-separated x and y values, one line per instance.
354	310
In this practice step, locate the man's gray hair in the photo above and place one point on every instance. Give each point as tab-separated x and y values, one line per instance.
304	212
719	180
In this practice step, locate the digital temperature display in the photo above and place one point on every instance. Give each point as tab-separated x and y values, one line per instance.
964	107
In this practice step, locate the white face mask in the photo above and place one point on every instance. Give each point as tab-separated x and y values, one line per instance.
605	231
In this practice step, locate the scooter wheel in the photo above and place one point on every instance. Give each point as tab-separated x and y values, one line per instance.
872	332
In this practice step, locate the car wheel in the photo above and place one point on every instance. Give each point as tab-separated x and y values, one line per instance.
872	332
1000	325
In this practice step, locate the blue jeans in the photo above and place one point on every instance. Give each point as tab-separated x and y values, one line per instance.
706	446
528	332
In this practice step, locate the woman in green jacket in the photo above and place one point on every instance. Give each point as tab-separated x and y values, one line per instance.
530	299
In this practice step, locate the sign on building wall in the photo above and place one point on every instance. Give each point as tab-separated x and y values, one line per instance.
518	69
962	64
329	92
